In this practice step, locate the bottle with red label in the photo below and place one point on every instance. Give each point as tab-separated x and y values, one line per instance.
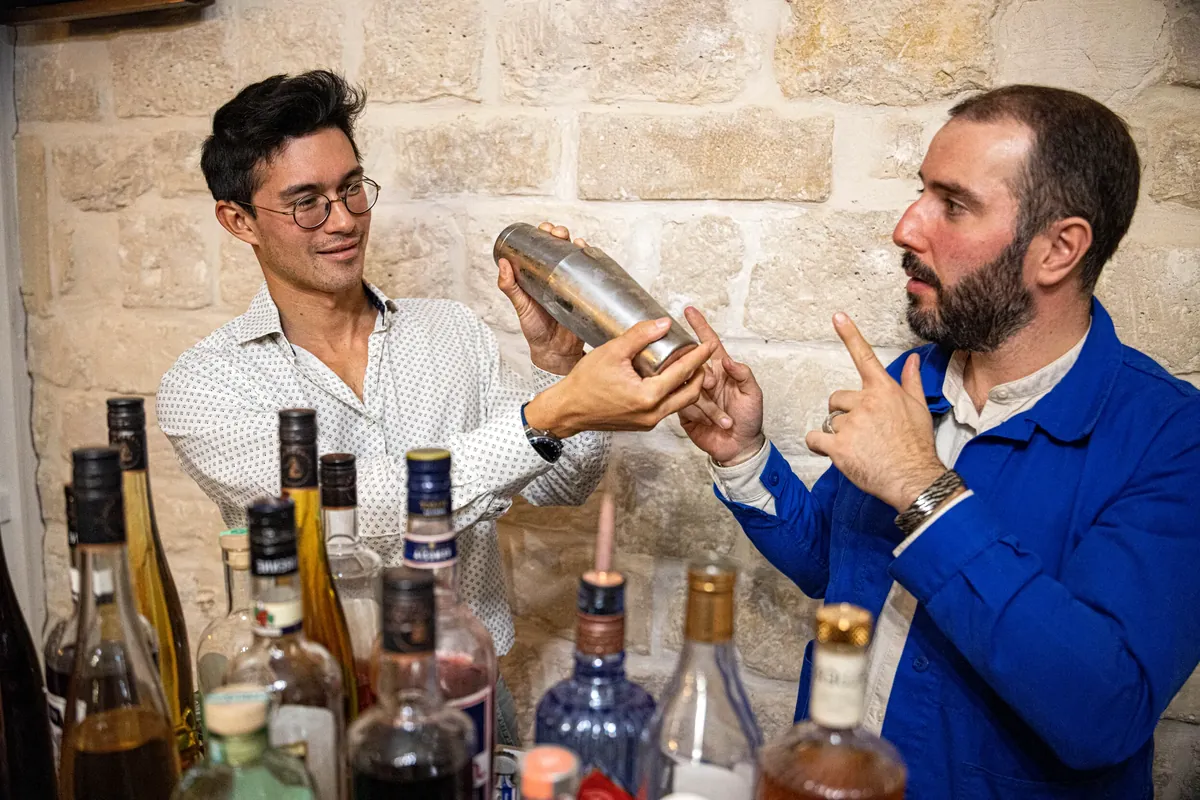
466	657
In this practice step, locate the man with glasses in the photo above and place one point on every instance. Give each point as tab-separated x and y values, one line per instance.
385	375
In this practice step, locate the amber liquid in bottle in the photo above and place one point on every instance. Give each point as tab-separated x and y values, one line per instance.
119	755
829	757
153	585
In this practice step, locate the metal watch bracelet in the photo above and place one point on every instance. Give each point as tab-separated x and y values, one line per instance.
928	501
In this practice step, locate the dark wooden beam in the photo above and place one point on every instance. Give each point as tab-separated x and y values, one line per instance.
89	9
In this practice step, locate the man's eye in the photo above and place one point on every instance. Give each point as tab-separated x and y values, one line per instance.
306	203
354	189
953	208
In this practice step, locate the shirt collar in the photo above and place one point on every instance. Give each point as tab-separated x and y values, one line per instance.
262	317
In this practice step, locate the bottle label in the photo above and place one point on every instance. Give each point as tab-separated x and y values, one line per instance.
478	707
430	551
56	708
693	781
598	786
278	619
309	733
838	688
132	447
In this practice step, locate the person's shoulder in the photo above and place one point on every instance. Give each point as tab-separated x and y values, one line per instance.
208	359
441	319
1145	389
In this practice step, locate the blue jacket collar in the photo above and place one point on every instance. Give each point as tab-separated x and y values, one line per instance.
1071	409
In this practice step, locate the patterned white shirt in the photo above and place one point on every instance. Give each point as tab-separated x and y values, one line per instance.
434	378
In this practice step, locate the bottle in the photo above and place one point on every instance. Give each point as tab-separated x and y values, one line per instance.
229	636
703	740
119	738
59	650
304	681
550	773
355	567
324	620
240	764
466	657
410	744
830	756
157	599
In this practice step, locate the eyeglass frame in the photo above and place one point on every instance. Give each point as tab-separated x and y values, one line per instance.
341	198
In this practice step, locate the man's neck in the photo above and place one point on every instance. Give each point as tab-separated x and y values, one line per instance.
320	320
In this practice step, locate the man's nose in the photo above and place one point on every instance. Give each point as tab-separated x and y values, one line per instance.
340	219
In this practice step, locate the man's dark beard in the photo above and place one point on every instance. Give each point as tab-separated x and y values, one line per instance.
981	311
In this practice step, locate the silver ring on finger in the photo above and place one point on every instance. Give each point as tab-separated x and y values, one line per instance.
827	425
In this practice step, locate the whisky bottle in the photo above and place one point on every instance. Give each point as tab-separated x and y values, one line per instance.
119	739
303	679
157	598
830	756
324	619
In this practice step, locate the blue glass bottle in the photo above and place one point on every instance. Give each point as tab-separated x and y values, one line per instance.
598	712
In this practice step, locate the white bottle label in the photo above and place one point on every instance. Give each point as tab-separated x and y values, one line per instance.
276	619
691	781
478	707
839	684
57	708
309	733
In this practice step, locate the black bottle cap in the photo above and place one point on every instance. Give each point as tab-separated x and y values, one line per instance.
272	524
339	480
601	594
96	484
72	516
298	426
126	413
409	621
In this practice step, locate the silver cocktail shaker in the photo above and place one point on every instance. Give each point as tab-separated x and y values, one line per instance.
588	293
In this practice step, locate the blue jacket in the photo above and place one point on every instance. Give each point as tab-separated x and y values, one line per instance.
1059	607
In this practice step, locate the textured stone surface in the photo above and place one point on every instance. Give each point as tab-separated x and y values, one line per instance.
1107	49
687	51
1176	761
1183	61
774	621
292	37
902	149
87	265
180	68
240	276
774	704
177	164
33	224
413	257
56	82
165	260
506	155
103	174
1153	295
901	52
419	49
1185	707
698	259
537	661
813	264
1173	159
752	154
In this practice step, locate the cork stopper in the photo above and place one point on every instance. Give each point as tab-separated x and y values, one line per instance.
235	547
236	710
843	623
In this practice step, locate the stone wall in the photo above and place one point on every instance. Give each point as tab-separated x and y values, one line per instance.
748	156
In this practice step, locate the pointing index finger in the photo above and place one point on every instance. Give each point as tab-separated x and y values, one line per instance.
868	364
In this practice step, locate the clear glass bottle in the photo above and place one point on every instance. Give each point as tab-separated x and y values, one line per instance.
119	741
59	650
467	666
229	636
240	764
355	567
324	619
830	757
703	741
410	744
157	598
304	681
598	712
549	772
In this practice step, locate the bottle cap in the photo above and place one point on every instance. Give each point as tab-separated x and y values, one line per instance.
843	623
235	544
339	481
236	710
272	536
712	574
96	483
126	413
409	622
298	426
711	579
429	482
601	594
545	769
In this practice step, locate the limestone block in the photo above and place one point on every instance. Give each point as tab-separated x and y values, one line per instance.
686	51
1106	50
752	154
241	276
165	260
902	149
420	49
1176	760
506	155
1185	707
903	52
1183	63
102	174
57	566
537	661
177	164
1153	295
183	68
411	256
33	224
290	38
1173	154
774	620
816	263
56	82
774	704
698	259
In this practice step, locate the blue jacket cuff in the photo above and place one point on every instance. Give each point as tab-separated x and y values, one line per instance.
775	479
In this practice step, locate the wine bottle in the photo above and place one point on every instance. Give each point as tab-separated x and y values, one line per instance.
240	764
466	657
830	756
703	740
227	637
324	619
355	567
410	744
157	598
304	680
119	740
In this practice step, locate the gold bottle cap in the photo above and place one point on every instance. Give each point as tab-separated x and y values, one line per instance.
236	709
711	579
427	454
843	623
712	574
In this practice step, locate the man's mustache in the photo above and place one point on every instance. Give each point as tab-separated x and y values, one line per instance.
916	268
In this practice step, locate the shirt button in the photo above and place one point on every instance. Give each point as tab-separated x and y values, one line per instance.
920	663
773	479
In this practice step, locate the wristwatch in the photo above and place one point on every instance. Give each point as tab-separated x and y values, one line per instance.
547	445
928	501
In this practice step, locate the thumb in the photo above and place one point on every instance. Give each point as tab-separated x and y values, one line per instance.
910	378
635	340
507	281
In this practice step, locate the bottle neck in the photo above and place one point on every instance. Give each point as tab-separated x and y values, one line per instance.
237	751
239	595
341	526
106	596
278	607
600	647
839	680
431	544
407	681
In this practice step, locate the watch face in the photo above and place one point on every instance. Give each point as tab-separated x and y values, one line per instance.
546	447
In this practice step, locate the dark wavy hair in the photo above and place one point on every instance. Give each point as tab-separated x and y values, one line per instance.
1083	163
252	127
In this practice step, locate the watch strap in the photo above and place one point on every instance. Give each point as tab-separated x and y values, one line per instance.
928	501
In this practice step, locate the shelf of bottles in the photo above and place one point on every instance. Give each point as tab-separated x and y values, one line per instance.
330	677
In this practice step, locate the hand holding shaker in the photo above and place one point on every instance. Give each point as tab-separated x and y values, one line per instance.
588	293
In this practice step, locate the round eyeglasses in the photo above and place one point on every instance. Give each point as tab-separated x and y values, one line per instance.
311	211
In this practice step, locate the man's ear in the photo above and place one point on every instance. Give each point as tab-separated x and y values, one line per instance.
237	220
1063	246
